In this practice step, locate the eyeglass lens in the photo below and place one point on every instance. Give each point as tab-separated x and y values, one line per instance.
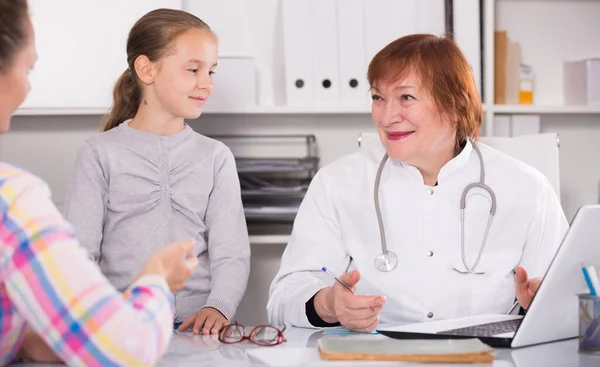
265	335
232	333
262	335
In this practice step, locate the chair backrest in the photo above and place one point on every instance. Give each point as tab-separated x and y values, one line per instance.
367	138
540	151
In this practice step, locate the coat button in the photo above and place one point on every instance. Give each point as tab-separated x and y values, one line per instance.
430	191
430	315
429	253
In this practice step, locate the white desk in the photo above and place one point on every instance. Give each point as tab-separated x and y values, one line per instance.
195	350
191	350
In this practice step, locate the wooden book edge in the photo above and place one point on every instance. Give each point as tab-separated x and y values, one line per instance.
479	357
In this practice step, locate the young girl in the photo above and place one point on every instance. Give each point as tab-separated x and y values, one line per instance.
150	179
55	305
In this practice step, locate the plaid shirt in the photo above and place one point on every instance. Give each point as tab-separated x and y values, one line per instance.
49	285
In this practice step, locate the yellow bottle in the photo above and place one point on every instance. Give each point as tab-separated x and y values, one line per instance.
526	84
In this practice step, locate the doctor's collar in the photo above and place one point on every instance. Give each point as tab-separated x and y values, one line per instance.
458	162
461	146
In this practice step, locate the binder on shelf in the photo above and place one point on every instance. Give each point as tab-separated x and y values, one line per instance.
507	69
297	52
387	20
352	53
502	126
500	46
234	84
525	125
233	41
581	82
404	20
378	26
466	17
432	16
513	72
516	125
323	37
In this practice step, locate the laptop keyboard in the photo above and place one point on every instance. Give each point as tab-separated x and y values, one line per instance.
491	329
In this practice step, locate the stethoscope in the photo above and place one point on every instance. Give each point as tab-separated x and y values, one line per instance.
388	260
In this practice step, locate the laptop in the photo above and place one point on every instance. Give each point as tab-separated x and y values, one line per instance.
553	314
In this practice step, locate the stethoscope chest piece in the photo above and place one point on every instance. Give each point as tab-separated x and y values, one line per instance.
386	261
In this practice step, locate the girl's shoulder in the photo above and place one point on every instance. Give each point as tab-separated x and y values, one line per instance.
208	145
114	137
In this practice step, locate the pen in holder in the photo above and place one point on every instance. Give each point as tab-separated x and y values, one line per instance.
589	323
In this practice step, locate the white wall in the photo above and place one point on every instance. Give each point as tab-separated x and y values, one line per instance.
47	146
264	265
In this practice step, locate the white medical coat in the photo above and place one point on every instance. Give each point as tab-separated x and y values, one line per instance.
336	227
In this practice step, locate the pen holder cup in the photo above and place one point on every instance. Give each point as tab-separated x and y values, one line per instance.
589	324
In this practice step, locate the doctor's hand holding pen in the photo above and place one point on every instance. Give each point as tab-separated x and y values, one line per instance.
339	303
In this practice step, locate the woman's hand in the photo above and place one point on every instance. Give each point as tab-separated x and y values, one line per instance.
354	312
34	348
175	262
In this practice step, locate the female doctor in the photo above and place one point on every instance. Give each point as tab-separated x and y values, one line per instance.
389	217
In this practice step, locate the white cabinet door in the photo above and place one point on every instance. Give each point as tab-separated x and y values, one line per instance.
81	50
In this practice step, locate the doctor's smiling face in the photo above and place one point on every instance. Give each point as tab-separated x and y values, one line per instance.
409	123
425	101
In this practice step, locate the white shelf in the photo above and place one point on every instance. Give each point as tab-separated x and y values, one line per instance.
269	239
541	109
60	111
291	110
320	110
253	110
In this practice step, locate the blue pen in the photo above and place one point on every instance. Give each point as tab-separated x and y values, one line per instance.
336	278
590	285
